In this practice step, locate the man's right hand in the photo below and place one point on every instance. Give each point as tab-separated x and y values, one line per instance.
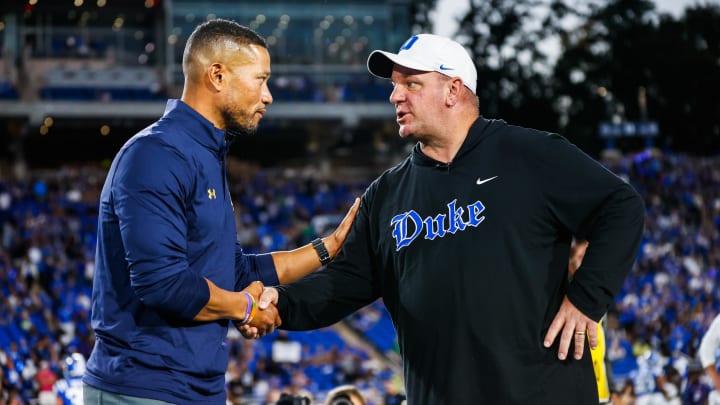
267	318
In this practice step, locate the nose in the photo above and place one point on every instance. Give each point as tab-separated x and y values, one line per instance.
396	95
266	96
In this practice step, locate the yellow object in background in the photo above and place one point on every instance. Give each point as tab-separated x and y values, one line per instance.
598	359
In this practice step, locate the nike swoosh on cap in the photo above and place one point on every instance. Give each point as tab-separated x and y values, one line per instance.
443	67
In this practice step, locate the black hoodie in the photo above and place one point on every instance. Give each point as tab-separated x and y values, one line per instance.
471	261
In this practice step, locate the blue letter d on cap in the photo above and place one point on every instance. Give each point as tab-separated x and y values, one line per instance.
409	43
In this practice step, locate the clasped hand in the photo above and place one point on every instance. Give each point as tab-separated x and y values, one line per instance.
266	302
266	318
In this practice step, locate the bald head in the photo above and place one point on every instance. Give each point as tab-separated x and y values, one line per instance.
212	41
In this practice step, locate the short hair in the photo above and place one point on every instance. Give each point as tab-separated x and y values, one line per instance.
342	395
212	32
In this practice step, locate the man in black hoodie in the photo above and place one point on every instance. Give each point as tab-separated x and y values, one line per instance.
467	243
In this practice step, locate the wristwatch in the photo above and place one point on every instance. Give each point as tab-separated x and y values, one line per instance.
322	251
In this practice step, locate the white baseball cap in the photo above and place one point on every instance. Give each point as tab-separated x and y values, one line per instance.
429	53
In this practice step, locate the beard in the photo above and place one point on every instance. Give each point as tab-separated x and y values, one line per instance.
238	123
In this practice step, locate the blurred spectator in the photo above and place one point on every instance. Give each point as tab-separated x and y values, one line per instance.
69	390
46	379
696	390
290	399
345	395
393	393
708	353
625	395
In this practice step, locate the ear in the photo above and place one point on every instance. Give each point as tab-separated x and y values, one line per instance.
215	77
454	88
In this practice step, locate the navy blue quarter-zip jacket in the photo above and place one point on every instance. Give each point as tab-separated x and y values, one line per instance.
165	224
471	261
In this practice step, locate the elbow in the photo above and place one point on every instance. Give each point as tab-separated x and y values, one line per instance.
179	296
152	296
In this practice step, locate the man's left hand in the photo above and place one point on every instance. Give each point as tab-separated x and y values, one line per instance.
573	327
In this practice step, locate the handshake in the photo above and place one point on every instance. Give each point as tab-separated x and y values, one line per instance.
261	315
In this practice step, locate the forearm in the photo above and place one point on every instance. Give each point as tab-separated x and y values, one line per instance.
613	244
295	264
325	297
711	371
223	304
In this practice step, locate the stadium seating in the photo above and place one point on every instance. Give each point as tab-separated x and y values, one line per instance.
47	237
113	84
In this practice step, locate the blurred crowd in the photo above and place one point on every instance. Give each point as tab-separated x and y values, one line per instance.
670	298
47	247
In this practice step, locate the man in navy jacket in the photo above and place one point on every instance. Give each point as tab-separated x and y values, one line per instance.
169	271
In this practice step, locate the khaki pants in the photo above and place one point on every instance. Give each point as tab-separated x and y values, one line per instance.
94	396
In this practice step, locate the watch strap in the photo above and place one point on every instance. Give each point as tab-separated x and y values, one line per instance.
321	250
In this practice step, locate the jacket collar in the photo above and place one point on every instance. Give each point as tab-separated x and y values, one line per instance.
198	127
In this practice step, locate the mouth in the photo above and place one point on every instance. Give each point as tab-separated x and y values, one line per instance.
400	115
